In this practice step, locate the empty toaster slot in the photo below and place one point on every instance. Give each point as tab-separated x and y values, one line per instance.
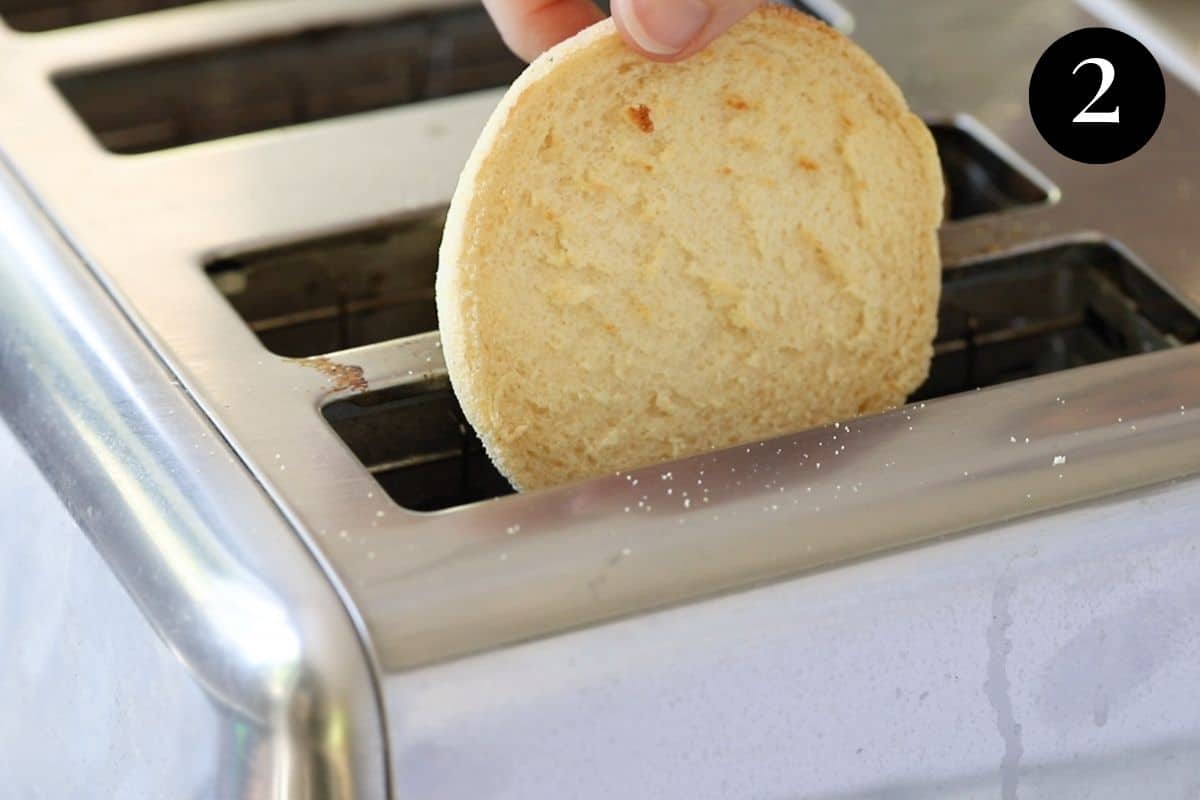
313	74
418	446
35	16
1048	311
338	292
979	180
1001	320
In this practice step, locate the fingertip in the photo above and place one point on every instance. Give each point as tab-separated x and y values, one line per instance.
661	29
529	27
673	30
622	17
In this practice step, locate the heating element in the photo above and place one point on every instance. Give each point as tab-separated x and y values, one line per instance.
259	187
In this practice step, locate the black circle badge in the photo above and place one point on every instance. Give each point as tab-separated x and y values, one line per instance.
1097	95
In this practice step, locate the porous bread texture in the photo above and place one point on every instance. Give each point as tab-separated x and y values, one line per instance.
645	261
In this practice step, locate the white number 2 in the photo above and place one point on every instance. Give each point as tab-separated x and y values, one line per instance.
1108	74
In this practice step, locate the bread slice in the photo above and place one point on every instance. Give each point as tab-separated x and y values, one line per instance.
644	261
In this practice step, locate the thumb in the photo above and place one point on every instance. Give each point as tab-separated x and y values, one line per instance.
670	30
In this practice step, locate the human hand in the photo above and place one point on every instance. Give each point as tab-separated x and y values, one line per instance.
662	30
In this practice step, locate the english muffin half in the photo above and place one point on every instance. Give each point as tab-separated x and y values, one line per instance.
644	261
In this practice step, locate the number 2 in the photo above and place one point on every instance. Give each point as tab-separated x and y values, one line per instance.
1108	74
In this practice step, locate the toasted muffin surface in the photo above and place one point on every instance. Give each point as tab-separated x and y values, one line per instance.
644	261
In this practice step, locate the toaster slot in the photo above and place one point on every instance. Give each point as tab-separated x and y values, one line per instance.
36	16
1047	311
340	291
466	55
979	180
314	74
418	446
1000	320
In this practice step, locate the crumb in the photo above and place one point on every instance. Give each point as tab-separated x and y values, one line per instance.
640	115
342	377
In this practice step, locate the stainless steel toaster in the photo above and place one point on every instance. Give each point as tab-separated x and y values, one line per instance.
251	548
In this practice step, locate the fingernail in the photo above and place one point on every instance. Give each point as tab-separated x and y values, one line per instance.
664	27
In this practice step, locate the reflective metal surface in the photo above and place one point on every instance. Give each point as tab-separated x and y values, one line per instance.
1050	659
219	575
95	704
1170	28
431	586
